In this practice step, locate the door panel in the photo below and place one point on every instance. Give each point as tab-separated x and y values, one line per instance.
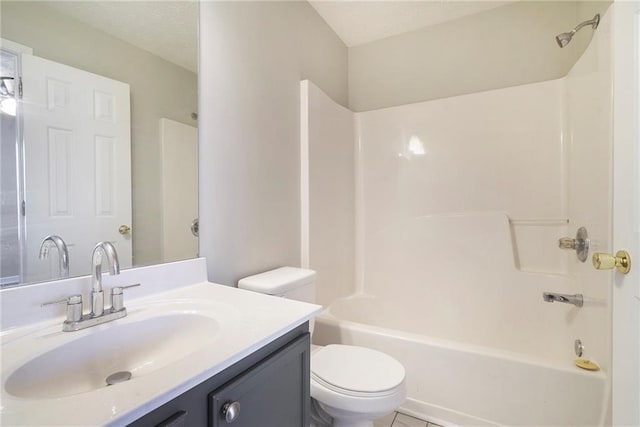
626	214
180	187
77	155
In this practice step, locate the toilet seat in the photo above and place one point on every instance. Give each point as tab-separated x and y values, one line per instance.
356	371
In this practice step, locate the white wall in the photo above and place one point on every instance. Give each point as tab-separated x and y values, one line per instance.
328	193
464	236
253	56
506	46
158	89
491	151
461	202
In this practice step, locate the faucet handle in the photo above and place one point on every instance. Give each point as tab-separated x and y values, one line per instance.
74	307
73	299
117	290
117	299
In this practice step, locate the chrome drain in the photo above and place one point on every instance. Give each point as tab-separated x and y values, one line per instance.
118	377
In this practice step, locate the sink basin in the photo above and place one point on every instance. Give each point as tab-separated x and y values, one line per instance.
140	347
172	339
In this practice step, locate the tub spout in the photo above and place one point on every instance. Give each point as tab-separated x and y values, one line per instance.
576	299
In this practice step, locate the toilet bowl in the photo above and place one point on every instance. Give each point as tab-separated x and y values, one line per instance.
350	386
355	385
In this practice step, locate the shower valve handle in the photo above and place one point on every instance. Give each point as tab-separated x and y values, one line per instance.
567	243
580	244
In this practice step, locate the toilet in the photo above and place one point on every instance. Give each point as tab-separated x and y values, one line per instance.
350	385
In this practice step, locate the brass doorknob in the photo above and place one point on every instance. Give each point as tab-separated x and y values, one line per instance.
621	261
124	229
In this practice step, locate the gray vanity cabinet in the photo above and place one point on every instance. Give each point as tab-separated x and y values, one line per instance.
269	394
269	388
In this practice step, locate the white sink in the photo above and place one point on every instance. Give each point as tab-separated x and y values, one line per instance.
140	347
170	342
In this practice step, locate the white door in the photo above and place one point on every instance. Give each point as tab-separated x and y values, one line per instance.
626	214
180	186
77	156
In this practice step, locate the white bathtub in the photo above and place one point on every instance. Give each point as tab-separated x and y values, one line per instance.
467	384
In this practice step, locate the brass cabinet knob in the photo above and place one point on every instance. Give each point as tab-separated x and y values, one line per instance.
621	261
124	229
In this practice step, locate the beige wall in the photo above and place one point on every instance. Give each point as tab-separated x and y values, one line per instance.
507	46
253	56
158	89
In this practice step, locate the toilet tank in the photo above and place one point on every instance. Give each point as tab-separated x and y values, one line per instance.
288	282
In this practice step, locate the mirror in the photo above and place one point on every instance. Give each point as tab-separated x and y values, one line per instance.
99	135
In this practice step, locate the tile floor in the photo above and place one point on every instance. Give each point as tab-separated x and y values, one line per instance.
398	419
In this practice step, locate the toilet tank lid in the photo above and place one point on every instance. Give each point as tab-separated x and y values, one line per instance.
278	281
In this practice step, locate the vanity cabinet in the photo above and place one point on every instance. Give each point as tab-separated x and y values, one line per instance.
269	388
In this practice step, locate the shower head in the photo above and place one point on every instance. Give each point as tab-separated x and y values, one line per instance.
564	38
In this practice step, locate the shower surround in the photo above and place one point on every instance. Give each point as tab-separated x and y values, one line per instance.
450	213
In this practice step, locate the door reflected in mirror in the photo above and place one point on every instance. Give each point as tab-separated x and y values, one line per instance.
99	135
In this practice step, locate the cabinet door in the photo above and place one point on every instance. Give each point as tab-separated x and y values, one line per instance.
274	393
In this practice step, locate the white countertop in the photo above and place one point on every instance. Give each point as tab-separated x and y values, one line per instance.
248	321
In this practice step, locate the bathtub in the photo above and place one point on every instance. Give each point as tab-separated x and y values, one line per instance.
455	383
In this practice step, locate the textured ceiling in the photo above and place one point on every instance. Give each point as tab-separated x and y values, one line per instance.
360	21
167	29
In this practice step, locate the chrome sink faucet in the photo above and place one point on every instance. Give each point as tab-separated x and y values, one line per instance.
75	320
63	253
102	250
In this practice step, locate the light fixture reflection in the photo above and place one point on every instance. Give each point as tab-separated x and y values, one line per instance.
416	146
8	106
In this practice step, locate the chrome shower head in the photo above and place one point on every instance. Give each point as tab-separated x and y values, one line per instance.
563	39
